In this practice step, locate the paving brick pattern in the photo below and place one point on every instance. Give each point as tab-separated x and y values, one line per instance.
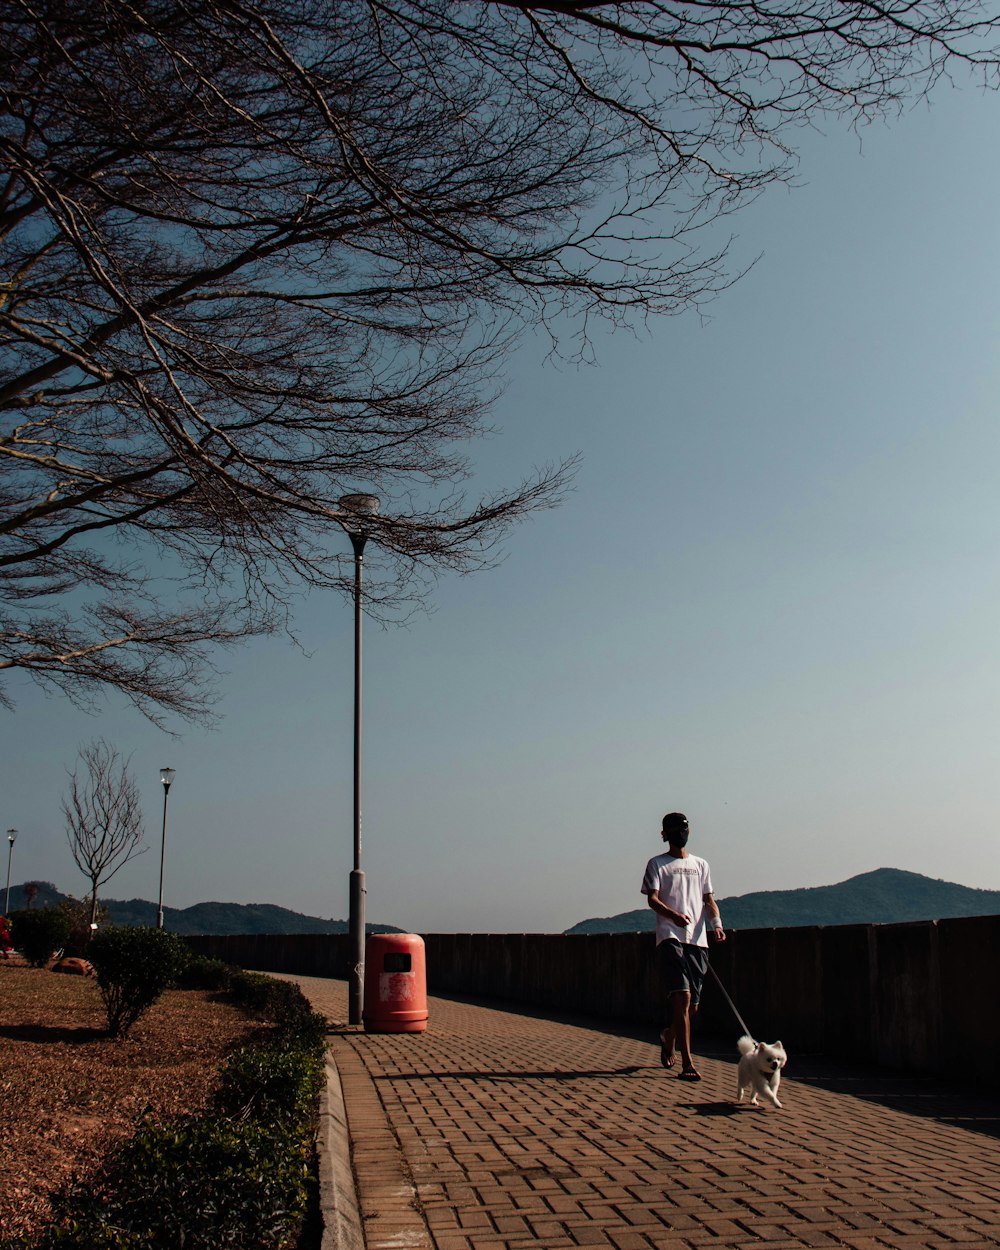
499	1131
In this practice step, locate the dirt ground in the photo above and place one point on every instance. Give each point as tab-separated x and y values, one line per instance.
68	1092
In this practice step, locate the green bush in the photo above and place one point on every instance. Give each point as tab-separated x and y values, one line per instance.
38	932
76	1236
271	1084
254	992
134	966
202	973
77	913
236	1178
279	1002
200	1182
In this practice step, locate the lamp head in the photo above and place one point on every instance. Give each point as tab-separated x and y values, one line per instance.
12	836
166	776
358	509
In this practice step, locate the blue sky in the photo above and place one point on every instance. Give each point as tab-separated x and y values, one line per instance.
771	600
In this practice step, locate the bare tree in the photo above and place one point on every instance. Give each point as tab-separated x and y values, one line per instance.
258	256
103	816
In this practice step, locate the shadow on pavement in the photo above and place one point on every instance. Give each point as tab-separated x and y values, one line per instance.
933	1098
721	1108
527	1074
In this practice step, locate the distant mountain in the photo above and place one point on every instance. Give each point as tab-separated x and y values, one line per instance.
214	918
47	895
885	896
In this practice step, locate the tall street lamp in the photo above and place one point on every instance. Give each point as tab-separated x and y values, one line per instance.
359	510
11	839
166	777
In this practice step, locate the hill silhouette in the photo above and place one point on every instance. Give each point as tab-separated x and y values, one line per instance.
884	896
208	918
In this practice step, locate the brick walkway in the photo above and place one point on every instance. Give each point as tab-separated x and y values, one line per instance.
500	1131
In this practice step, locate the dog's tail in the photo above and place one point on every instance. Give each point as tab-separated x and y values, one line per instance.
746	1045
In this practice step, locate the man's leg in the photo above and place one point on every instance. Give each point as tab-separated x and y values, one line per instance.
696	960
671	970
681	1026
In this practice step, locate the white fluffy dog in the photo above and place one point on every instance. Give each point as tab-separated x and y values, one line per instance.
760	1070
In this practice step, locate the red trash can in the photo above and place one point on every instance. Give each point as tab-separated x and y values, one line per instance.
395	984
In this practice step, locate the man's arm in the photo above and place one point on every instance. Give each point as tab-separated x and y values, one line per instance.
659	906
714	918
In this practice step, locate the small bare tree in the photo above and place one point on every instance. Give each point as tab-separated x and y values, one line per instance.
103	816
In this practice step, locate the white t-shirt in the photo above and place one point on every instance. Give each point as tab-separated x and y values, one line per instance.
682	884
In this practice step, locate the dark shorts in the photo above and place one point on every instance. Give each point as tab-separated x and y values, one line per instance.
682	967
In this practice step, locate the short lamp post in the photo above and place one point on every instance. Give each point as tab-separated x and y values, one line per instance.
166	777
358	510
11	839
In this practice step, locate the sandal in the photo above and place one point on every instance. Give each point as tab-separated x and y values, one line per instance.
667	1059
689	1074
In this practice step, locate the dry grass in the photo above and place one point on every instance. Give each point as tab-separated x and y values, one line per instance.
68	1092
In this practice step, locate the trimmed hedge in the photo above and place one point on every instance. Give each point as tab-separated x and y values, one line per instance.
279	1002
236	1177
202	973
134	965
38	932
271	1083
201	1182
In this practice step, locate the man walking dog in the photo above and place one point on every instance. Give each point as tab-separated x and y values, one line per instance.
678	887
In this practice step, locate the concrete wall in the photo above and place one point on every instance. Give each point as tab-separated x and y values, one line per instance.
307	954
921	997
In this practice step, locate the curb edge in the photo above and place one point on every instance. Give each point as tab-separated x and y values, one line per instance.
338	1197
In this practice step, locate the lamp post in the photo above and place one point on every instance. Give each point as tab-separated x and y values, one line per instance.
359	510
11	839
166	777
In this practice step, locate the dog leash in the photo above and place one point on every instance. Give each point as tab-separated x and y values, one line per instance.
743	1023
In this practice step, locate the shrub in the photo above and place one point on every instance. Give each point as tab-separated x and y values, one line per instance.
134	966
77	913
198	1182
280	1002
202	973
236	1178
271	1084
254	992
75	1236
38	932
